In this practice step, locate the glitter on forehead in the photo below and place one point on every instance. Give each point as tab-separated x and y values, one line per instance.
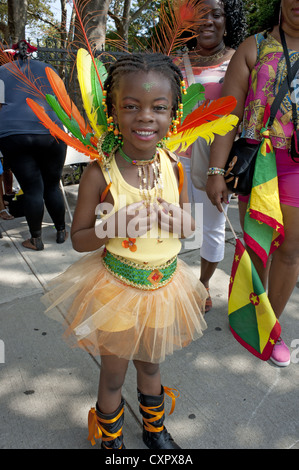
148	86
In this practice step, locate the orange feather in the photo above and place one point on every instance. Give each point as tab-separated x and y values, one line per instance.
65	101
178	22
207	112
59	133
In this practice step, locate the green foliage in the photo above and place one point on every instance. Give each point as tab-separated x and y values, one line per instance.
40	18
261	14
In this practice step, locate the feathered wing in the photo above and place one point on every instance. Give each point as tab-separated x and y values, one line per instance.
178	21
208	111
182	140
27	82
65	101
59	133
209	119
97	91
195	93
70	123
84	65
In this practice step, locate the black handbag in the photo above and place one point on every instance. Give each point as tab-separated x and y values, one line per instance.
240	164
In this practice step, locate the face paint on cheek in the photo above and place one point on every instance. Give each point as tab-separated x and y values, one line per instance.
148	86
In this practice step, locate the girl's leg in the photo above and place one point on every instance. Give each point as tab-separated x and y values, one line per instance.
106	420
151	399
112	376
148	378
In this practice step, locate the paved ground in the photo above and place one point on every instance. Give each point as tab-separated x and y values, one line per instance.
229	399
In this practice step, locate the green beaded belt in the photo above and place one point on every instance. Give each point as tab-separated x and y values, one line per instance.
146	278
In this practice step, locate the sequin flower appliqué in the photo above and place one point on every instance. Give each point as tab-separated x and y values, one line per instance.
130	243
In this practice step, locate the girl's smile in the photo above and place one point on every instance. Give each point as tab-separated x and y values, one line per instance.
143	113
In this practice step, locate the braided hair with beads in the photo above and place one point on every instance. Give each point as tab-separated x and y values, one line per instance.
144	62
138	62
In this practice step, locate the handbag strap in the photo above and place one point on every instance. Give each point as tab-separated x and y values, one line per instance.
282	92
291	72
188	69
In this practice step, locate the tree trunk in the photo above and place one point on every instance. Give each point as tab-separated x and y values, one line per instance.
17	16
94	17
63	37
126	21
63	33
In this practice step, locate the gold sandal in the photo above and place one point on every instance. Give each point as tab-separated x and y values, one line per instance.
209	303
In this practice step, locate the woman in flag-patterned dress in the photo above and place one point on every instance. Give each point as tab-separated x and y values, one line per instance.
220	33
253	77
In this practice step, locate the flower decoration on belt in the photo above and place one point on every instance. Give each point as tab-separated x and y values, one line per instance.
130	243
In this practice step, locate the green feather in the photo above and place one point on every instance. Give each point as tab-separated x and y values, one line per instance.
97	90
70	124
195	93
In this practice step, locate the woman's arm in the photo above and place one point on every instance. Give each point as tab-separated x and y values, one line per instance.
235	84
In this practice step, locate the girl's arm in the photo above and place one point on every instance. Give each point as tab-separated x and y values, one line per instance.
83	234
235	84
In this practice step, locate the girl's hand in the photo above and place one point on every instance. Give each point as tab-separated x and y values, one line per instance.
174	219
131	221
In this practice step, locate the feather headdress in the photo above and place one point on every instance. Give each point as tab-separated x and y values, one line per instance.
209	119
178	21
205	121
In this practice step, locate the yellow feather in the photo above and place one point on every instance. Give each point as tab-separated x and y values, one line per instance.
207	131
84	65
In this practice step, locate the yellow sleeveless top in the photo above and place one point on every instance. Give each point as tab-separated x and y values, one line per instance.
156	246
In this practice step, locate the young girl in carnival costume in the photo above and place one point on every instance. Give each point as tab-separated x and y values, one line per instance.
134	299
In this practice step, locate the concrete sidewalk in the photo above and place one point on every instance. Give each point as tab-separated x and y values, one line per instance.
228	398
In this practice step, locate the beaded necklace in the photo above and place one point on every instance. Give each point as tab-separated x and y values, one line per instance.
137	162
144	174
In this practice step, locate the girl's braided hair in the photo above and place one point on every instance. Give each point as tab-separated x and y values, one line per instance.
143	62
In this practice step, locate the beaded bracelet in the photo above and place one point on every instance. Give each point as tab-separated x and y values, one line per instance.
215	171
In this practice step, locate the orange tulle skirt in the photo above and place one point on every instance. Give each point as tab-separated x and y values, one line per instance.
105	316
